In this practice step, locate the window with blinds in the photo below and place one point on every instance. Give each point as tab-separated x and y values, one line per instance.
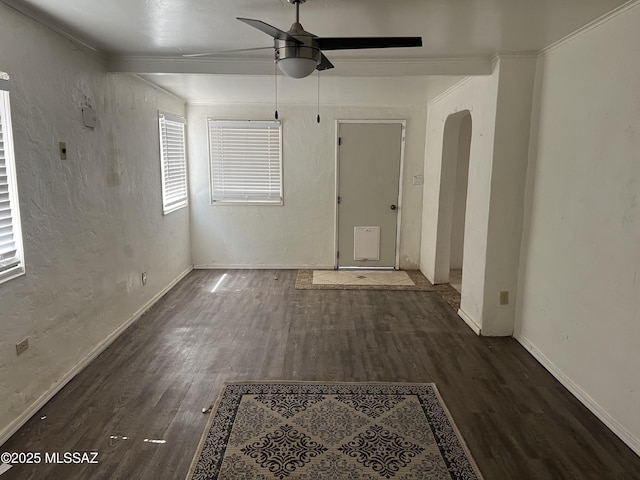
11	255
246	162
174	162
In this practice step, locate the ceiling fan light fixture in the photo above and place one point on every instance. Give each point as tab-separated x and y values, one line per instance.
298	52
297	67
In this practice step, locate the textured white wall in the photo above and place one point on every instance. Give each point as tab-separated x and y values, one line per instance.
578	305
91	223
478	95
334	89
447	197
506	201
302	232
460	193
500	107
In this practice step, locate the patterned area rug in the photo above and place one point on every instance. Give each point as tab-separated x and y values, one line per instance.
304	281
321	431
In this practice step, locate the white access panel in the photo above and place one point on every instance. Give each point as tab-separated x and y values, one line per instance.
366	243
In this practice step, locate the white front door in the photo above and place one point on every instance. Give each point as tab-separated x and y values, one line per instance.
369	157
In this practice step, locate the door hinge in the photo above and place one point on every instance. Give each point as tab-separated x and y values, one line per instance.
338	200
338	255
339	141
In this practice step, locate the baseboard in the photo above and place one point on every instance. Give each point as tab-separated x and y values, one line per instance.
14	426
263	267
627	437
427	275
472	325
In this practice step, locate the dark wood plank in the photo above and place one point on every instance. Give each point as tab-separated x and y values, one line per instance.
152	383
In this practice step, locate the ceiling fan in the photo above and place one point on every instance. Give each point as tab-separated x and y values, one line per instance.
298	52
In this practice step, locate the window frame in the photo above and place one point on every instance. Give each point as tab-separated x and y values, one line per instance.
183	201
12	183
245	202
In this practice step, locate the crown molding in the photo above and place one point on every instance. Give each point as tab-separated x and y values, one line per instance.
159	88
51	24
494	61
264	66
450	90
508	55
590	26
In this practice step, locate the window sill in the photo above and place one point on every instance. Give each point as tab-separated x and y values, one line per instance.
246	203
12	273
174	209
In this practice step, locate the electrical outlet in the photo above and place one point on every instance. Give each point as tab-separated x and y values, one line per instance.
504	298
143	277
22	346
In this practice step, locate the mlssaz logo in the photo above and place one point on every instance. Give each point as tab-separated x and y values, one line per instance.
71	457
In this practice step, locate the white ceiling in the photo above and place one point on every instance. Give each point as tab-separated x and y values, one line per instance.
459	36
449	28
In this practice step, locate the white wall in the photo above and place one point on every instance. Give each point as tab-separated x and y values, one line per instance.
334	89
447	198
508	176
500	107
578	305
460	193
302	232
478	95
91	223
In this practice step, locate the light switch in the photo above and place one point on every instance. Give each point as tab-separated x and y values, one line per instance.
418	179
63	151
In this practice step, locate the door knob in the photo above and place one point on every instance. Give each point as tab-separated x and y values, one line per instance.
393	207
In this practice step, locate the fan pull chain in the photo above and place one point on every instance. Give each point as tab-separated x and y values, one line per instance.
275	75
318	117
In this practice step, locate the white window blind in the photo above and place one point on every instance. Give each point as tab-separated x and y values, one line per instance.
174	162
246	161
11	256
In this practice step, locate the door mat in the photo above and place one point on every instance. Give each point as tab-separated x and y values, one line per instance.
305	281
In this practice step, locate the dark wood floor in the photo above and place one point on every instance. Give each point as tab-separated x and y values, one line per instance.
152	383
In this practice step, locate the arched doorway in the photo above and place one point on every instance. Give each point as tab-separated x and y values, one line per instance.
453	199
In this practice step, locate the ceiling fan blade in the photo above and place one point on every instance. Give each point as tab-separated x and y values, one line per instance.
269	30
223	52
354	43
324	64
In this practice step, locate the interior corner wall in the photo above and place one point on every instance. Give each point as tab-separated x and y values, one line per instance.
578	308
301	233
506	200
478	95
91	223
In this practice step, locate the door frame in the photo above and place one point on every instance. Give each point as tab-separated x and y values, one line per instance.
403	123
